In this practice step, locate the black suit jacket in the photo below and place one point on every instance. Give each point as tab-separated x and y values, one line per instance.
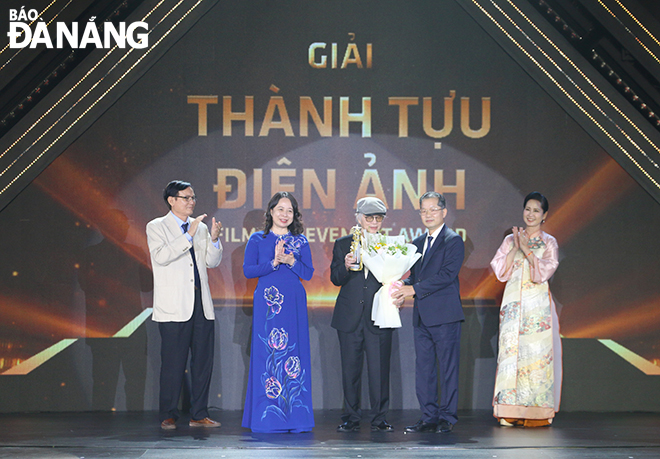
357	293
435	280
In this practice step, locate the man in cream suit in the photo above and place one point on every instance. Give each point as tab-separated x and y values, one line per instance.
181	249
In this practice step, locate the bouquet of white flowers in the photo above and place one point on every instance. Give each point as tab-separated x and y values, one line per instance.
388	258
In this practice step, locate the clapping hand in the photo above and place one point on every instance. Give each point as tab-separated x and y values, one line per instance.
194	224
520	239
516	243
523	240
279	250
281	257
215	229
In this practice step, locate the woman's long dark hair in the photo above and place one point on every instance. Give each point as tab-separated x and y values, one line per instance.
296	226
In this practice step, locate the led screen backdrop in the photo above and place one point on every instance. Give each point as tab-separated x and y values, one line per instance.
331	101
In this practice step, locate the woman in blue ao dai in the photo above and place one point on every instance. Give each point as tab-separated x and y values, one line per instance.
279	396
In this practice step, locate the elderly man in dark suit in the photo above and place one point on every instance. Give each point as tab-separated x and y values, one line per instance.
357	333
437	316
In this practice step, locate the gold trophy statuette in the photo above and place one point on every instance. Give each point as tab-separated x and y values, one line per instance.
356	231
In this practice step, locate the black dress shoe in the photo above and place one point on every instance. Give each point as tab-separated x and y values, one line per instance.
422	426
382	427
444	426
349	426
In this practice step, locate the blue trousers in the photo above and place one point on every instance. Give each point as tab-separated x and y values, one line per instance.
437	348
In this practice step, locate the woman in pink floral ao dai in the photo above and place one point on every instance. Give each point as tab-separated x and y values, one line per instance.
528	380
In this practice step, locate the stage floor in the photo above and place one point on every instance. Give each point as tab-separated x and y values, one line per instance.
138	435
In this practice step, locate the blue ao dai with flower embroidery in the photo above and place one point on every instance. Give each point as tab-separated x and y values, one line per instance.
279	396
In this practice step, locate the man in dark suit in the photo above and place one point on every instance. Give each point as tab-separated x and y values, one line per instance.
437	316
357	333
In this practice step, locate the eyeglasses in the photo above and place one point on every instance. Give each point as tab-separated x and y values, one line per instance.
432	210
187	198
370	218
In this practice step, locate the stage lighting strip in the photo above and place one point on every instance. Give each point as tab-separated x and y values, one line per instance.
93	104
637	39
561	88
40	14
89	72
639	362
133	325
44	356
87	93
591	83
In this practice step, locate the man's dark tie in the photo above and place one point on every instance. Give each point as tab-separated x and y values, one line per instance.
198	283
428	246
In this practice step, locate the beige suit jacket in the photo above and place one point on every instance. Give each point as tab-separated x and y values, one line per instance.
174	278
